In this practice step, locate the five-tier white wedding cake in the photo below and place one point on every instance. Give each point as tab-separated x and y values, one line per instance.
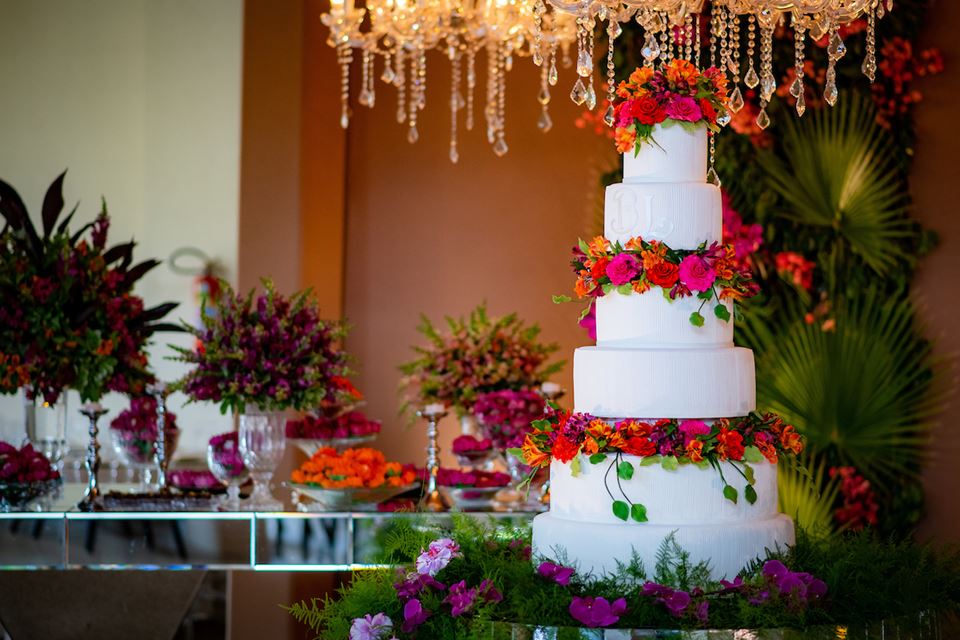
650	362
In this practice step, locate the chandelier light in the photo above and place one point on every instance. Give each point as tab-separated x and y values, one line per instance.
401	32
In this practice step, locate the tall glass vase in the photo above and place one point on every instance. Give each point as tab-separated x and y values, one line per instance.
46	426
262	441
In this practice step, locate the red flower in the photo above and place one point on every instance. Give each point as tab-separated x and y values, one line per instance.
708	111
565	449
648	111
730	445
599	268
663	274
639	446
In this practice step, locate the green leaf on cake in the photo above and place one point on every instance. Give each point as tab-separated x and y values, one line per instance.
585	312
730	494
583	246
703	464
650	460
748	474
666	294
696	319
638	512
625	289
597	458
561	299
670	463
624	470
607	288
750	494
721	312
621	509
752	454
575	466
705	295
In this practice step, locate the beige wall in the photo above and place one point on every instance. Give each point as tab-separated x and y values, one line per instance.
935	185
141	101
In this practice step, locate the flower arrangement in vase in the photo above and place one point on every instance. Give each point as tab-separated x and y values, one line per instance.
134	432
25	476
678	94
70	319
476	355
260	355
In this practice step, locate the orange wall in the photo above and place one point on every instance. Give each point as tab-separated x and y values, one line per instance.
427	236
935	180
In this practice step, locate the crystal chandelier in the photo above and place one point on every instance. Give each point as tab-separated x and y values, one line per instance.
402	32
672	29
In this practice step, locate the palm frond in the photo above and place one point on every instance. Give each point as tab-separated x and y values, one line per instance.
862	393
808	494
837	172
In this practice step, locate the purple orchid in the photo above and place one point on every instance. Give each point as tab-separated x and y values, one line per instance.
597	612
437	556
460	598
413	615
370	627
559	574
414	585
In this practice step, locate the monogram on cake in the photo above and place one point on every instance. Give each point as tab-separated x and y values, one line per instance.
664	438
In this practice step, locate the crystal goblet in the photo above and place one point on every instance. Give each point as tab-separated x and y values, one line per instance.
226	464
262	443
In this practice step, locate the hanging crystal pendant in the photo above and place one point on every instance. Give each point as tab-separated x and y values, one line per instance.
544	123
544	96
763	120
579	92
796	87
537	57
412	134
454	154
584	64
591	100
609	115
344	120
713	178
830	89
365	98
837	49
651	48
388	75
801	105
724	119
751	79
614	30
553	75
767	87
500	147
736	100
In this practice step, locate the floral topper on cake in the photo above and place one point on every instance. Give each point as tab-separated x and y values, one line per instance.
710	273
735	442
679	93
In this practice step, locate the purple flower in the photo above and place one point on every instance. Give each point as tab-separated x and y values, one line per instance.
414	585
675	601
460	598
413	615
437	556
623	269
559	574
774	569
702	611
489	592
732	587
371	627
597	612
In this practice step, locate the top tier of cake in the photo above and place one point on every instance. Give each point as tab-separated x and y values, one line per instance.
676	154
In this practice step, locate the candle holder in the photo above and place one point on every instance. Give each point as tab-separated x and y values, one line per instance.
159	391
432	500
93	411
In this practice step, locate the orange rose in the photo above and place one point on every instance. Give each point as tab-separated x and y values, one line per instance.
730	445
640	446
565	449
599	268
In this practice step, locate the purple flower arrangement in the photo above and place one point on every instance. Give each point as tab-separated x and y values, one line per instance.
135	430
353	424
475	479
266	350
191	479
25	465
506	415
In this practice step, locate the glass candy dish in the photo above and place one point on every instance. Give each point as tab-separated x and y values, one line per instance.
359	499
28	496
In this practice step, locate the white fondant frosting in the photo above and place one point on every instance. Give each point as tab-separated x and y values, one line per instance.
676	154
687	496
664	383
650	320
597	547
680	215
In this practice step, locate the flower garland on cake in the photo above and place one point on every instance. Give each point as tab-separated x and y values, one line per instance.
678	93
709	272
739	442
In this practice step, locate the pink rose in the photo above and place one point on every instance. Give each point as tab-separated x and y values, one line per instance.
623	268
684	108
696	274
691	429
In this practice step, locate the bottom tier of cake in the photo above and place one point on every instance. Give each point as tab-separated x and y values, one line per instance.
595	548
